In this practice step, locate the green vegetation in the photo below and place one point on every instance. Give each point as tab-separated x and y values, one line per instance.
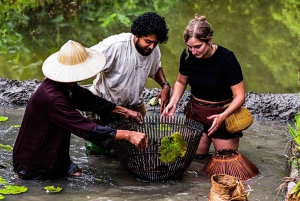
6	147
152	101
172	147
12	189
52	189
294	131
3	118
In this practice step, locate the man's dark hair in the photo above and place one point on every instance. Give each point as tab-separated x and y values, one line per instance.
150	23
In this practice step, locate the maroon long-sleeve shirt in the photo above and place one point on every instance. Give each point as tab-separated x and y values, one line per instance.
41	150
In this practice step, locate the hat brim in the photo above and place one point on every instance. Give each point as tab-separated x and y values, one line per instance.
59	72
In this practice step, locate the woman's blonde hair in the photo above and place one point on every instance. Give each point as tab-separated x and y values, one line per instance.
198	28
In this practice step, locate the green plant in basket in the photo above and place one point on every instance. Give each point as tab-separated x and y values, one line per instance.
172	147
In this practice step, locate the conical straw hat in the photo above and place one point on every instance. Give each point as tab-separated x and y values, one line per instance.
73	63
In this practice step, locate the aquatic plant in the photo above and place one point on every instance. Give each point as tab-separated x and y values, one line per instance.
2	197
172	147
2	181
12	189
2	118
6	147
16	126
52	189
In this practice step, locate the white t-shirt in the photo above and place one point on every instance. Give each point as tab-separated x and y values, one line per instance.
124	76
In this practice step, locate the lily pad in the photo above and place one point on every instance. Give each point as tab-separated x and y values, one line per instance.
2	197
2	118
11	189
52	189
16	126
6	147
2	181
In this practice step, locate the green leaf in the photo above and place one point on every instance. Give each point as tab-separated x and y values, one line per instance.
52	189
3	118
16	126
11	189
2	197
2	181
6	147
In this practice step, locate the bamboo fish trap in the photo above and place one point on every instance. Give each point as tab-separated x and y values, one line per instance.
231	162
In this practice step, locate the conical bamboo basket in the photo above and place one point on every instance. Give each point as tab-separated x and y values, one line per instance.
231	162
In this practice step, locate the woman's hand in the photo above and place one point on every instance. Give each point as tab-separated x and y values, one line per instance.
218	119
169	109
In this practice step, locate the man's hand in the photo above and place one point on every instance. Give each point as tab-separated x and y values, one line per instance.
140	140
127	113
164	95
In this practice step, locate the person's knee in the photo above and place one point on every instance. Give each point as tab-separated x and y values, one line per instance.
204	145
232	143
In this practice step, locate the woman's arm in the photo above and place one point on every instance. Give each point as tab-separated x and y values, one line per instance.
178	89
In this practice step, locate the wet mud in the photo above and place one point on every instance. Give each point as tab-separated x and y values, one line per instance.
263	106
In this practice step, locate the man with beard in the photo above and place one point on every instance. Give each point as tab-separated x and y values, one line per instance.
131	59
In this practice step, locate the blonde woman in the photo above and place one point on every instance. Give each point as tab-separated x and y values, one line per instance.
215	78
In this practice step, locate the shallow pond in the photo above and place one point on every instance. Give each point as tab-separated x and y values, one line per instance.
264	143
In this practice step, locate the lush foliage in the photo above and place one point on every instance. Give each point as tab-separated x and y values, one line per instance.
294	131
263	34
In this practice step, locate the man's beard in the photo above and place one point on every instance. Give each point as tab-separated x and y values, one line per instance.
140	49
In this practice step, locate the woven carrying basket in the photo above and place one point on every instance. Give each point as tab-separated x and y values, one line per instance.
231	162
225	187
291	197
222	187
239	120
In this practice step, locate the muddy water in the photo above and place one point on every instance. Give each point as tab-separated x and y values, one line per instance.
264	143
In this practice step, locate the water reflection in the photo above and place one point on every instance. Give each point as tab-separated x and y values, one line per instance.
264	143
263	34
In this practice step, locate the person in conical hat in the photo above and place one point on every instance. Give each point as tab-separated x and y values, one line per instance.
41	149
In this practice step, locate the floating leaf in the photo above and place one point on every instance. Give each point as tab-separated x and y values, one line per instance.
6	147
11	189
2	181
52	189
2	197
3	118
16	126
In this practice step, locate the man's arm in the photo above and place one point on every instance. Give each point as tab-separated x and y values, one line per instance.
164	94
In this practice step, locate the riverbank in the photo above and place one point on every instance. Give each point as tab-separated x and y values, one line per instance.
262	106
